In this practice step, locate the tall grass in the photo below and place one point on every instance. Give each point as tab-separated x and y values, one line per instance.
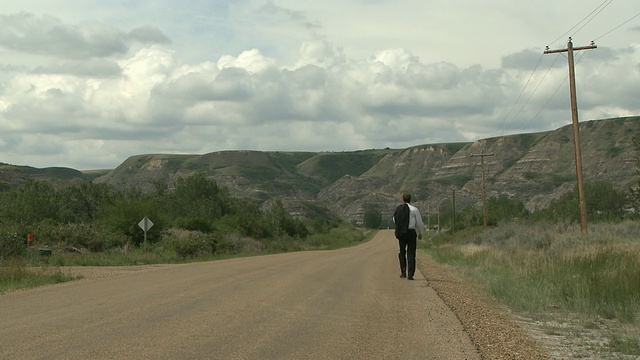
15	274
539	269
553	272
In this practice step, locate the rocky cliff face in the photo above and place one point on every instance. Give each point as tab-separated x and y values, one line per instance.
535	168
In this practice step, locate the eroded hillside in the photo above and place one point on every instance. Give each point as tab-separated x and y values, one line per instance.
535	168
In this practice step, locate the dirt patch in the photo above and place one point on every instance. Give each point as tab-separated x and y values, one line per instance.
98	272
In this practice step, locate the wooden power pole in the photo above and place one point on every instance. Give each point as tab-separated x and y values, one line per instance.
428	219
576	134
453	211
484	193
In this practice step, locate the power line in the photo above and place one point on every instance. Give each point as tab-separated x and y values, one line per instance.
539	83
556	91
585	21
593	17
580	25
522	92
603	5
588	19
617	27
532	93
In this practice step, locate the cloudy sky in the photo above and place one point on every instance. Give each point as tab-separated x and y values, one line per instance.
87	83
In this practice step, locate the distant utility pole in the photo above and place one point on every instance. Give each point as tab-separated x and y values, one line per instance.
428	219
576	135
453	211
484	193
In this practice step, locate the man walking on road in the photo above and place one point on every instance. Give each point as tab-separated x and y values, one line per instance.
409	226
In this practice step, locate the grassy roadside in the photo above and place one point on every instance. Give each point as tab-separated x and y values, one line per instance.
16	274
574	286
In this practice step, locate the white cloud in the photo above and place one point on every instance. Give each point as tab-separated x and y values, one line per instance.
86	90
251	60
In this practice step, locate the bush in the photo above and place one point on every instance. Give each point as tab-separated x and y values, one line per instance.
122	217
91	237
192	246
11	244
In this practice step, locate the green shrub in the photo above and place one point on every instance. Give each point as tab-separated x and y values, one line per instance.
192	246
11	244
85	236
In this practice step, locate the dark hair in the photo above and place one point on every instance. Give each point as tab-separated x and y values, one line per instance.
406	197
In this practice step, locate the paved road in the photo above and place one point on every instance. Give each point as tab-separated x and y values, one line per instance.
342	304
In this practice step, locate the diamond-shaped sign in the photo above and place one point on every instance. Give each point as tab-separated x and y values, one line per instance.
145	224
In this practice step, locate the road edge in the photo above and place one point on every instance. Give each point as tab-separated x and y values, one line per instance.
491	328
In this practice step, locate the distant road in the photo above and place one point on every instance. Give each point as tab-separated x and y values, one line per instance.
342	304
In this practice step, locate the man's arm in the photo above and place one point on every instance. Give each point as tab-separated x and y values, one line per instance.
419	224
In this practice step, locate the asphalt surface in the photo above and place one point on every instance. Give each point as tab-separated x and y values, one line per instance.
340	304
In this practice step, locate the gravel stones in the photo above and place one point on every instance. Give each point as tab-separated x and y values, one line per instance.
490	327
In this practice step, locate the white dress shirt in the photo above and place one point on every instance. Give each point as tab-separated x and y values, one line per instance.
415	219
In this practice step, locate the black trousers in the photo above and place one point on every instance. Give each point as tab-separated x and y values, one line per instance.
407	255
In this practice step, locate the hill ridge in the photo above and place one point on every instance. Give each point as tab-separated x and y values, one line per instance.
534	167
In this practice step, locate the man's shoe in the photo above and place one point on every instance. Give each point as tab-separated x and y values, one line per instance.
403	276
410	278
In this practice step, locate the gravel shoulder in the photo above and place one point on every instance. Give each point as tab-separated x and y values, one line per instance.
494	332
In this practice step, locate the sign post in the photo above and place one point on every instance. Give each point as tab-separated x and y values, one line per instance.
145	224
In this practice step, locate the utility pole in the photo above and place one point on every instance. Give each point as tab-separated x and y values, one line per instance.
576	134
428	218
484	193
453	211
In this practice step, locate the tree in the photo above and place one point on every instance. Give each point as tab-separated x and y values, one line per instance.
372	217
505	208
281	222
82	202
604	203
124	215
31	203
469	217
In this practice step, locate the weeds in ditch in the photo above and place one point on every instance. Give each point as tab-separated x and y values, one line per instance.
15	274
537	269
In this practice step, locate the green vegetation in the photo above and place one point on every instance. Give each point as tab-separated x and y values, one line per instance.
604	204
333	166
539	269
289	160
372	217
15	274
614	151
550	181
453	148
528	140
455	180
542	267
93	224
